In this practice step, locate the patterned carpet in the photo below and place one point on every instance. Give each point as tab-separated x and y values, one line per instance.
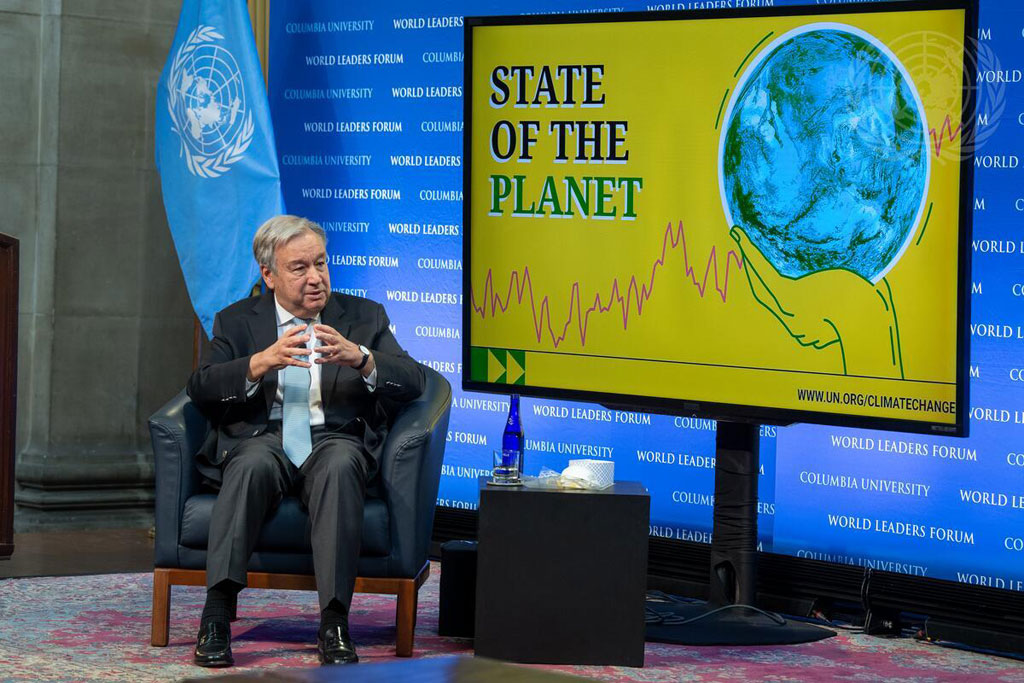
96	628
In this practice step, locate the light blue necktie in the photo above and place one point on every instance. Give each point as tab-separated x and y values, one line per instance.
295	433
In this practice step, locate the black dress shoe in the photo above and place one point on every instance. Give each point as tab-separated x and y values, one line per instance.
335	647
213	645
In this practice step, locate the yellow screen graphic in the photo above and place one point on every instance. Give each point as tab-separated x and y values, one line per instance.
750	211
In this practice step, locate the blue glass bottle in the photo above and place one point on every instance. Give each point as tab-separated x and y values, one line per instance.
512	441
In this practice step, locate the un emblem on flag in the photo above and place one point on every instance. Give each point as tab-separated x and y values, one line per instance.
207	104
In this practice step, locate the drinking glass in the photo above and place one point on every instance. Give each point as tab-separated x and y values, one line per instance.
506	468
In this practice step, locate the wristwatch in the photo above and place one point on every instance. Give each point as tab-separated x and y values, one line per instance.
366	356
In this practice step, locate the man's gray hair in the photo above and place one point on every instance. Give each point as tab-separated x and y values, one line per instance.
279	230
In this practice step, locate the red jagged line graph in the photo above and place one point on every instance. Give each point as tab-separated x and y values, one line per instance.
947	128
521	286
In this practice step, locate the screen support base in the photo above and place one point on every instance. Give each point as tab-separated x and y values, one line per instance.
730	617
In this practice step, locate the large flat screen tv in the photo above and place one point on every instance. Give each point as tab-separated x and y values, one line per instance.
753	215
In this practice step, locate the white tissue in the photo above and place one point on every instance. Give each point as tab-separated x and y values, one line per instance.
588	474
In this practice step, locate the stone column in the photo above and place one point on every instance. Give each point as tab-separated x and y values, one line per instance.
105	319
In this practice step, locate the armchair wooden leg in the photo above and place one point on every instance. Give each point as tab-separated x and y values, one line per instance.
406	617
161	607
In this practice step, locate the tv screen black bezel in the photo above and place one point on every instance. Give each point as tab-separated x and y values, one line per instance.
733	411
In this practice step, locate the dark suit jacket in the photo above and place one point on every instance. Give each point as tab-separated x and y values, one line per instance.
246	327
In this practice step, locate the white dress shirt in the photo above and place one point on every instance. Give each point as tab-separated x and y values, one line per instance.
285	321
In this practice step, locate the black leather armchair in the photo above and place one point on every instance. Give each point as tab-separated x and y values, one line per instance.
398	516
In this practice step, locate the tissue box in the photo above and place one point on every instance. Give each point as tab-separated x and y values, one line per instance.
598	474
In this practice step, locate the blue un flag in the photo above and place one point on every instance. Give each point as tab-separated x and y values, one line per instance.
215	152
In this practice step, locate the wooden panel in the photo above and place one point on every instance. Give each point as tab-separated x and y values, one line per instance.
8	387
259	16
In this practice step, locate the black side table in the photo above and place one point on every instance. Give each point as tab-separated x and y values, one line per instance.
562	575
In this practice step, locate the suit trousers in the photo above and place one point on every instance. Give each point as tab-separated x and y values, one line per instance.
331	485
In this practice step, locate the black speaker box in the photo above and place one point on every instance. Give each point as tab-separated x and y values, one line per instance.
457	610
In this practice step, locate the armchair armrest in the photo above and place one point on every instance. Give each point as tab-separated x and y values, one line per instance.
411	472
178	431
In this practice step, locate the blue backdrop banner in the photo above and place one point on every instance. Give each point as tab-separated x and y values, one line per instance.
367	105
215	152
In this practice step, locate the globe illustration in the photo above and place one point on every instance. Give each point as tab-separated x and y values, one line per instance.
208	99
823	157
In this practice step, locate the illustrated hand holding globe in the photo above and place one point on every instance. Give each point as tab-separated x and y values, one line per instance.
830	307
824	171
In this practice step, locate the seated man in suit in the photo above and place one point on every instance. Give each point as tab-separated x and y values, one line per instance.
296	385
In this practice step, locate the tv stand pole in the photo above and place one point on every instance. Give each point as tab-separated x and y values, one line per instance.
730	616
733	578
